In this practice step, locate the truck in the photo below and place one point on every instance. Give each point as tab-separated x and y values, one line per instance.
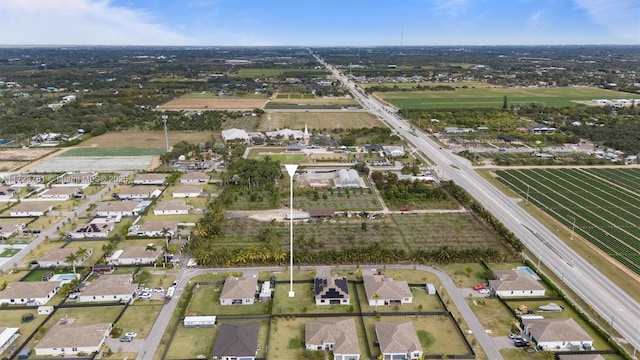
170	292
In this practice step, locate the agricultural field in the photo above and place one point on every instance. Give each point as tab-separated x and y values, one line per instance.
494	97
601	206
311	103
82	152
144	139
319	120
209	101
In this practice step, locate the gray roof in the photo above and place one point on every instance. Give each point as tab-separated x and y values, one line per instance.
28	289
138	252
150	177
386	288
556	329
339	331
118	206
107	285
239	288
173	205
237	340
74	335
514	280
31	206
397	337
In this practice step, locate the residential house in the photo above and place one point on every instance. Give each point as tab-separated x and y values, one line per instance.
98	227
285	134
194	177
155	229
557	334
237	341
9	228
172	207
7	192
540	129
187	191
65	339
7	336
394	151
136	255
398	340
58	257
239	291
348	178
31	293
150	179
139	192
119	208
110	288
336	334
59	193
333	290
30	209
386	291
515	283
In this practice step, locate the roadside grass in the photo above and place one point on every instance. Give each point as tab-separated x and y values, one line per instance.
461	277
285	275
117	355
140	317
206	301
156	280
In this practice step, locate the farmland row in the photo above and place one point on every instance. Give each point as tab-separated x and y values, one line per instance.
626	178
604	219
606	236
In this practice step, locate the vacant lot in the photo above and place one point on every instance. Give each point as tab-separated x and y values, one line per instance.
319	120
24	154
494	97
210	101
144	139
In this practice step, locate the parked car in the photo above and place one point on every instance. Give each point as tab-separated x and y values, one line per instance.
479	287
484	291
514	336
145	296
521	343
131	334
126	339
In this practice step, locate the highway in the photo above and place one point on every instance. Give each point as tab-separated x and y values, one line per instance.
610	301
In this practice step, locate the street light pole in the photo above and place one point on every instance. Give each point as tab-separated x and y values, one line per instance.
166	134
527	202
291	170
573	226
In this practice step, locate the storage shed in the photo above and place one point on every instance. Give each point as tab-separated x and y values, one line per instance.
199	321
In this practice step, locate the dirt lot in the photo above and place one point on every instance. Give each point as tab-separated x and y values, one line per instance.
214	104
28	154
11	165
145	139
318	120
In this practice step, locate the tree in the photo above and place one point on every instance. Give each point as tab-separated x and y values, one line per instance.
82	253
504	102
468	270
376	297
71	258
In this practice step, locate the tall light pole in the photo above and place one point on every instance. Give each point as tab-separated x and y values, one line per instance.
573	226
166	134
291	170
527	202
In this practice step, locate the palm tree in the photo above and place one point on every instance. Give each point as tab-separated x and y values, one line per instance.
167	235
82	253
71	258
376	297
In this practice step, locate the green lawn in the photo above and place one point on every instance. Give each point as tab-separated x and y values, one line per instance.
494	97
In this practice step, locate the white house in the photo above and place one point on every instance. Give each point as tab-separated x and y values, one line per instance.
136	255
58	257
398	340
286	134
119	208
32	293
72	339
199	321
333	290
110	288
30	209
7	336
172	207
59	193
515	283
557	334
335	334
8	228
7	192
187	191
150	179
155	229
348	178
239	291
386	291
98	227
139	192
194	177
235	134
393	151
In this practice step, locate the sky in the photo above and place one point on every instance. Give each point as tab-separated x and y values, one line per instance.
319	22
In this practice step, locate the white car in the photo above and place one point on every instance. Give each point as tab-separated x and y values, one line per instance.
145	296
484	291
131	334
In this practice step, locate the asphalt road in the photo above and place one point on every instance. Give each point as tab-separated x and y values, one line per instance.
605	297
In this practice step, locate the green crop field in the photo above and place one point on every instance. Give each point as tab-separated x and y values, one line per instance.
600	205
113	152
494	97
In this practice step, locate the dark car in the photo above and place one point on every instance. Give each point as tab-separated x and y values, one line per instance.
126	339
521	343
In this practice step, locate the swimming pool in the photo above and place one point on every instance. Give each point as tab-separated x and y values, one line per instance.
64	278
527	270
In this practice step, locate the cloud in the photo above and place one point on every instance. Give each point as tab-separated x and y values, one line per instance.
81	22
618	16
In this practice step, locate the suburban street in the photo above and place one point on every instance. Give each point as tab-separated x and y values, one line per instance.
610	301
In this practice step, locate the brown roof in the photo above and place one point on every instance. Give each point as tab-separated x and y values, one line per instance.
340	331
28	289
150	177
137	252
386	288
188	189
173	205
321	212
74	335
556	329
66	190
118	206
31	206
397	337
110	285
61	254
195	176
514	280
137	190
239	288
158	226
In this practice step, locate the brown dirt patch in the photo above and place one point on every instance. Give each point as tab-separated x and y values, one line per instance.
214	104
11	165
27	154
145	139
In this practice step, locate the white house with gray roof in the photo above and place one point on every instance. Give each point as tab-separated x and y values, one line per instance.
398	340
71	339
110	288
386	291
239	291
515	283
29	292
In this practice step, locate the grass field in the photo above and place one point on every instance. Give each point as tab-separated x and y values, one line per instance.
494	97
144	139
319	120
209	101
257	73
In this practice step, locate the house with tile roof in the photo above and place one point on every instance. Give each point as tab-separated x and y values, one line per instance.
172	207
64	339
187	191
338	335
556	334
136	255
239	291
30	209
29	292
237	341
110	288
58	257
150	179
119	208
386	291
333	290
398	340
194	177
515	283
